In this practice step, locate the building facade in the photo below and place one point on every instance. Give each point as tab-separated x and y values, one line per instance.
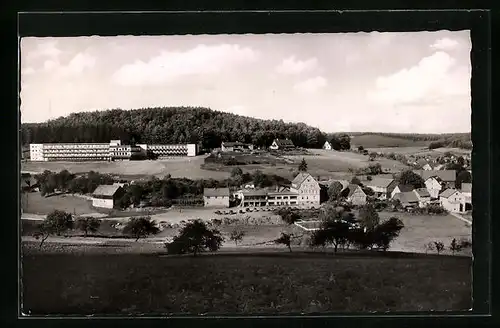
452	200
382	187
423	195
356	195
216	197
104	151
327	145
434	186
282	144
106	196
307	188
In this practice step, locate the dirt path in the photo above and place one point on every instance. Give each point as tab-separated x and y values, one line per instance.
458	216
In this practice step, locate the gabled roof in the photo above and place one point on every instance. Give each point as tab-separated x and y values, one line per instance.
466	187
422	162
326	143
445	175
447	193
405	188
284	143
422	192
379	182
106	190
216	192
353	188
300	178
407	197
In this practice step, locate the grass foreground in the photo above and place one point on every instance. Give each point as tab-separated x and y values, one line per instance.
103	283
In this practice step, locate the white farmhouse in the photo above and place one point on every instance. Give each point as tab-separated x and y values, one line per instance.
106	196
452	200
327	145
434	186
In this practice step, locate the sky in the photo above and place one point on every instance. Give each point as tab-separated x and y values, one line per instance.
411	82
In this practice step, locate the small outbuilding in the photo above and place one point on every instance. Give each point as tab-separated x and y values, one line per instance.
106	196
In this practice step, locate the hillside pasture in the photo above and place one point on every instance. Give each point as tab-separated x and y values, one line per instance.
378	141
176	167
420	230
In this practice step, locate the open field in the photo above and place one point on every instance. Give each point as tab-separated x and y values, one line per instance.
419	230
34	203
177	168
107	283
321	163
376	141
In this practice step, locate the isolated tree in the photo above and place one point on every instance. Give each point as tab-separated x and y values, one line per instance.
356	181
439	246
369	178
461	161
55	223
455	246
88	224
429	247
368	217
361	148
335	190
303	166
285	239
195	238
236	236
345	142
236	172
463	177
140	227
411	178
373	155
375	169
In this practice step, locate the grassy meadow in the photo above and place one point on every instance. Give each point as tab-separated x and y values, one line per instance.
106	283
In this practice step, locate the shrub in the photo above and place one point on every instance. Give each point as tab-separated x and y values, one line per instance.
439	246
455	246
237	235
285	239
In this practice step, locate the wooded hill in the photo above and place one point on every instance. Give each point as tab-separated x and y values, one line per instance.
170	125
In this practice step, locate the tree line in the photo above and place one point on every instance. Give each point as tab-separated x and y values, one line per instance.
169	125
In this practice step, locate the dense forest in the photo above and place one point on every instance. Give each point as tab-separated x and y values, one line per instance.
169	125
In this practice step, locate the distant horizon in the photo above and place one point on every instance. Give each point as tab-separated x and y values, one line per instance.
404	82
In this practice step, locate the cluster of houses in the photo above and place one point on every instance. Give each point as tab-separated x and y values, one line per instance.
236	146
439	189
428	163
303	191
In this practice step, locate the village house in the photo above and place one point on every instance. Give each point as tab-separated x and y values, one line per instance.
427	167
434	186
382	187
328	183
447	176
106	196
407	199
452	200
421	163
356	195
307	188
235	146
327	145
466	190
438	167
282	144
216	197
423	196
401	188
278	196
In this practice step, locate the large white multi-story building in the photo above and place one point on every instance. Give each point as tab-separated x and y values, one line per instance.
171	150
104	151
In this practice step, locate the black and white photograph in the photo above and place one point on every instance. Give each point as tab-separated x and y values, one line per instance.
291	173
